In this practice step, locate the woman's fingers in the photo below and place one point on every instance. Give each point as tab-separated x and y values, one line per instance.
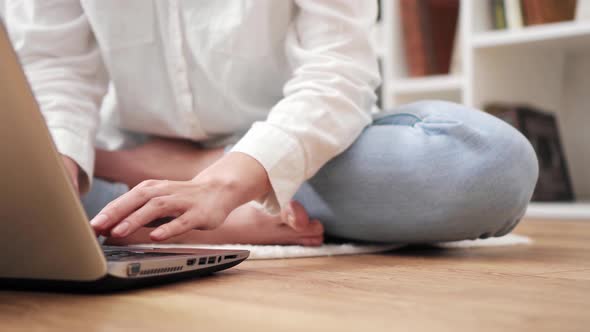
202	203
123	206
152	200
157	207
193	218
177	226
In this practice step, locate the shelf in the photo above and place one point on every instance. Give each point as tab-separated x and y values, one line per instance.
574	210
564	36
430	84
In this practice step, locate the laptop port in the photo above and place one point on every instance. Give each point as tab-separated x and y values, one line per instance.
230	257
133	269
202	260
191	261
211	260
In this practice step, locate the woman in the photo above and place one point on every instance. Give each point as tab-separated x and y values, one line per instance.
207	106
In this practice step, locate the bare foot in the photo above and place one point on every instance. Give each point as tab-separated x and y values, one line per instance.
248	225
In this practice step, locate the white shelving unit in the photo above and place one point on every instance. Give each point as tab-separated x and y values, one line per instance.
565	36
547	66
430	84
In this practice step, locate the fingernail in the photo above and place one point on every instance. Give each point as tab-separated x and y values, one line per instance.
121	229
158	233
99	220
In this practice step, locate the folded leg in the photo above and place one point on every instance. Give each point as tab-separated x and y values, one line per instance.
424	172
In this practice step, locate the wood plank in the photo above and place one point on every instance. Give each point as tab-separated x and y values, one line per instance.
541	287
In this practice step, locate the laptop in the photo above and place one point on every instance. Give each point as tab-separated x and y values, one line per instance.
46	241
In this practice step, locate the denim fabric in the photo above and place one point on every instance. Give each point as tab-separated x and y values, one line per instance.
424	172
101	194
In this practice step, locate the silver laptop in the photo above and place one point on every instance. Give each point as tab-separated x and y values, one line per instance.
45	237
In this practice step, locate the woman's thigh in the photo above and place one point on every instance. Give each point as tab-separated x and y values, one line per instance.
424	172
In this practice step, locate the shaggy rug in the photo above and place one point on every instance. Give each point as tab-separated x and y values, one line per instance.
277	252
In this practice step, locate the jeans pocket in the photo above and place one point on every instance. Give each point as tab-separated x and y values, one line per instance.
398	119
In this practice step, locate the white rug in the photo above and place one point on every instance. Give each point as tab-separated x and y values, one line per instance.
506	240
277	252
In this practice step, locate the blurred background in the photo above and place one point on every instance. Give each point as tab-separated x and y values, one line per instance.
525	61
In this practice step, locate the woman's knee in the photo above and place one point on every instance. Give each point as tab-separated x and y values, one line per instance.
494	199
518	171
455	174
481	177
501	157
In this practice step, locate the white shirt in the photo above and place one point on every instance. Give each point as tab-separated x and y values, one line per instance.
294	78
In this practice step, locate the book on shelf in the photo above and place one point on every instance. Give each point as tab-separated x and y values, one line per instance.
418	49
514	14
540	128
429	28
498	14
506	14
548	11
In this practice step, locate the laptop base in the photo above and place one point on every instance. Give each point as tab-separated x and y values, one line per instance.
108	283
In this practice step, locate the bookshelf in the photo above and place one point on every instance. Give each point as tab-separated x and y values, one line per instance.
565	36
547	66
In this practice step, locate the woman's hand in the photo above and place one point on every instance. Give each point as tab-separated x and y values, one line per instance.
201	203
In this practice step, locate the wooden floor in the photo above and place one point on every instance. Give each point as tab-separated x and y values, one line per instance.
541	287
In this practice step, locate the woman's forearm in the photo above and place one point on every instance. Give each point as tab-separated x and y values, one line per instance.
158	159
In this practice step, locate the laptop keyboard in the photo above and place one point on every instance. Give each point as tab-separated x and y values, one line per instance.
114	255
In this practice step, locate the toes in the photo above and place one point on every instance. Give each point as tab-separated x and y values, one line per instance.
315	227
312	235
295	216
312	241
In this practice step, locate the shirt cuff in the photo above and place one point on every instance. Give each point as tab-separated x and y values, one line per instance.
80	149
282	157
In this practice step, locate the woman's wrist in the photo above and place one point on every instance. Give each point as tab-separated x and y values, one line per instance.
239	177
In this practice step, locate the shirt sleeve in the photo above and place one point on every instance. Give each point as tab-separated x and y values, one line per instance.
62	62
327	100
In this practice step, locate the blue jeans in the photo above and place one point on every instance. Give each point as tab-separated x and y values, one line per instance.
424	172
